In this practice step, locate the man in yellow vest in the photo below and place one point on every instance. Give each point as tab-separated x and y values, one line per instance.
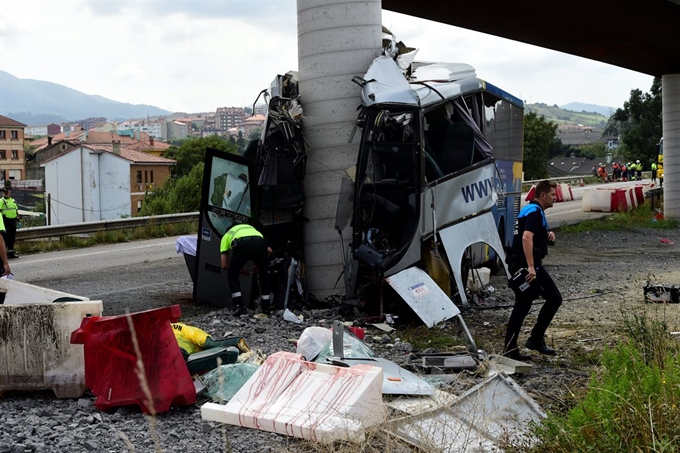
243	243
9	211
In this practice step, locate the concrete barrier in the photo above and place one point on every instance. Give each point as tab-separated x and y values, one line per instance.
598	200
35	332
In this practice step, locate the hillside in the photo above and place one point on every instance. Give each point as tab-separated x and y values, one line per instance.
564	116
37	102
584	107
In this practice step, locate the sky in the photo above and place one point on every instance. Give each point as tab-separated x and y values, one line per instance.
195	56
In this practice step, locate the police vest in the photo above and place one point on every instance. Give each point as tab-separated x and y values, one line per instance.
9	208
540	240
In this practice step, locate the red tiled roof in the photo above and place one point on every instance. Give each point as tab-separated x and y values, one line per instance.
9	122
41	143
131	155
140	146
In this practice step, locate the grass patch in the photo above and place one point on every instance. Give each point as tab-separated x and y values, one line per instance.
422	338
149	231
631	405
643	217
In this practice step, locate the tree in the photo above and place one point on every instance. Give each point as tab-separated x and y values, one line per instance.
255	133
182	194
241	142
639	125
192	152
593	150
539	135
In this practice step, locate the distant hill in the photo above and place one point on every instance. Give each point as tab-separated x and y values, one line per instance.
564	116
36	102
583	107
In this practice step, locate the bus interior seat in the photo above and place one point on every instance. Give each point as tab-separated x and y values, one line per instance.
432	170
459	148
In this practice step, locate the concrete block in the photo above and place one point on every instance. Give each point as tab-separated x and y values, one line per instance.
313	401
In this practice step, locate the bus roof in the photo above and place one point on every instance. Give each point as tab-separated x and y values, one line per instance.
430	84
428	96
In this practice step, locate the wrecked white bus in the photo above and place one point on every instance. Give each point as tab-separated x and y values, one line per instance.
437	182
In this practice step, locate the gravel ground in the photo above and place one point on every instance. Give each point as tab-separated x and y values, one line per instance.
600	274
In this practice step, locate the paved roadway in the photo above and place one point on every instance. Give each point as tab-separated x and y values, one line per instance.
135	276
147	274
569	212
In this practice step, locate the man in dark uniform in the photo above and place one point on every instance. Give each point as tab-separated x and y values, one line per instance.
529	247
10	211
243	243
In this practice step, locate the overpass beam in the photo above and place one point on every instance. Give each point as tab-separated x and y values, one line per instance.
337	40
671	144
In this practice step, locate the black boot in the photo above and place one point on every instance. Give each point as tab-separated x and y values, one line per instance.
539	346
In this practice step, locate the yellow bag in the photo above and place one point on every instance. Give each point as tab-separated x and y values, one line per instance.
190	339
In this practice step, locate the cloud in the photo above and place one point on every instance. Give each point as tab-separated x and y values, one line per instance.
243	9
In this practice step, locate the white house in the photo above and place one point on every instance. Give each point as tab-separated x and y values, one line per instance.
87	184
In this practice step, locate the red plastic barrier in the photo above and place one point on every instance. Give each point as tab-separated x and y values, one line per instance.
633	197
558	193
530	195
619	202
639	195
111	362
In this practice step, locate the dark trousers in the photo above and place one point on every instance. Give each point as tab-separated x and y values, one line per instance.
553	299
252	248
653	175
10	233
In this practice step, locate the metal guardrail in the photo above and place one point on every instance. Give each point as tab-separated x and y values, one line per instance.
561	178
104	225
645	175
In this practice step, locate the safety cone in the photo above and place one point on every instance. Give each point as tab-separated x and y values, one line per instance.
581	183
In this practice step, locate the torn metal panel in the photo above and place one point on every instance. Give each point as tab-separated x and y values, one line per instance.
661	293
457	238
396	380
501	364
384	83
423	295
442	72
417	406
479	421
441	362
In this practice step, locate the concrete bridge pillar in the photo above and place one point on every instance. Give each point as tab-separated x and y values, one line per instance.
337	39
671	144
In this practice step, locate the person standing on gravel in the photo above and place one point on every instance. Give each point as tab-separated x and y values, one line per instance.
529	247
243	243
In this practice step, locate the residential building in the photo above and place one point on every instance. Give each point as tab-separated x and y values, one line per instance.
209	122
101	182
110	126
228	117
91	123
577	135
47	129
12	158
251	123
154	128
177	129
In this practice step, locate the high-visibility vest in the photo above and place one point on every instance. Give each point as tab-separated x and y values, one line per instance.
237	232
9	208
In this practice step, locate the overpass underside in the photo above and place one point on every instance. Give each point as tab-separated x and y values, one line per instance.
641	36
